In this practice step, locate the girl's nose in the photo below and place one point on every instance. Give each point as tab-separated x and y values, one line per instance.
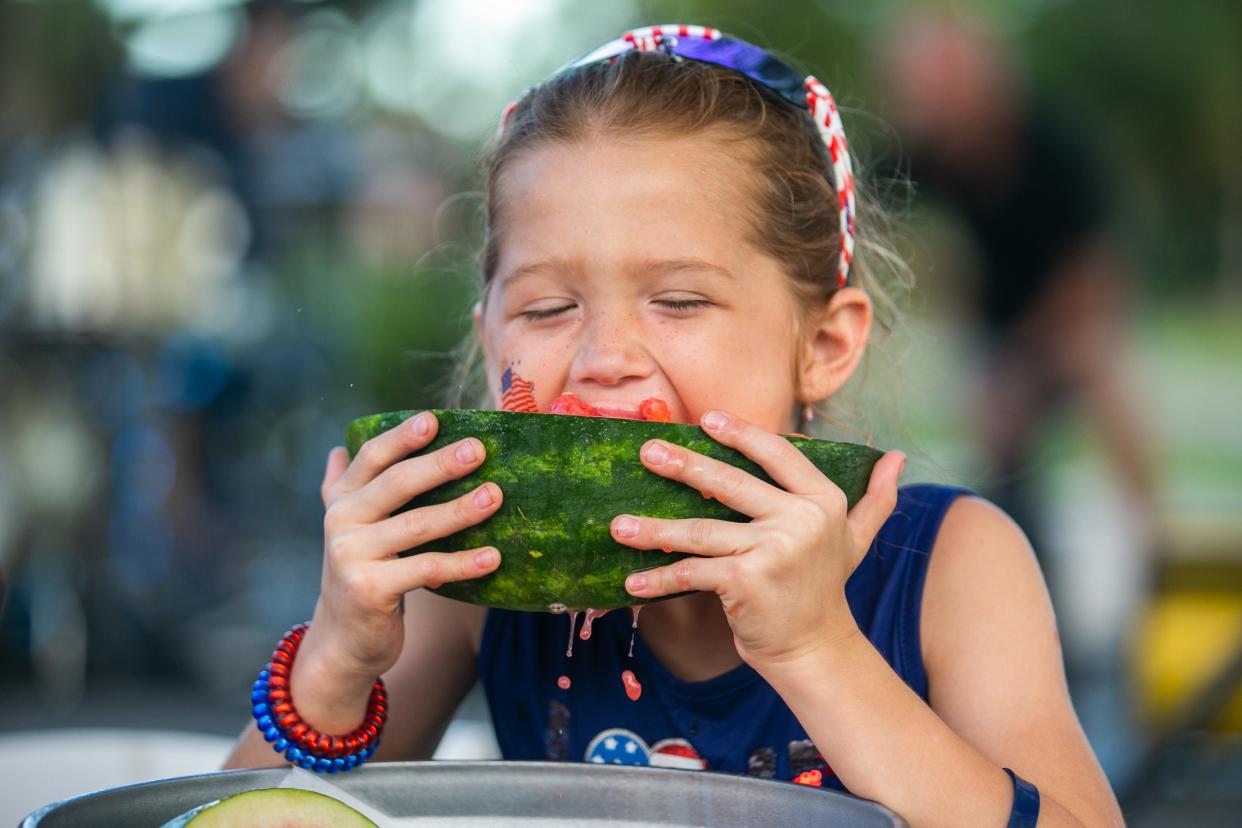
610	351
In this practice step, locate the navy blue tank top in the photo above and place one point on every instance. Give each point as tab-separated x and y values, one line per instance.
735	722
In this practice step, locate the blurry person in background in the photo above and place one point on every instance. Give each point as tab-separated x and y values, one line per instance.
1050	291
1048	294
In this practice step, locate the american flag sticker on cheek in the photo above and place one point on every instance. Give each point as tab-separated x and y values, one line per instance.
517	394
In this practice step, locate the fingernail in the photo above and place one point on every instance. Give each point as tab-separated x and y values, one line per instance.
625	526
636	582
483	497
465	452
715	420
421	425
657	453
485	558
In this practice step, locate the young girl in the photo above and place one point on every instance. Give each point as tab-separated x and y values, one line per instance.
673	217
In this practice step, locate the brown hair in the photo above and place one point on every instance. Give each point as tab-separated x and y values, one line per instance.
649	94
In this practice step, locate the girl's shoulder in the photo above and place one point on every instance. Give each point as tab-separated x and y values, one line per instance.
979	542
983	581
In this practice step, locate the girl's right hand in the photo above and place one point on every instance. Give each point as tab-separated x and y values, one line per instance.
357	632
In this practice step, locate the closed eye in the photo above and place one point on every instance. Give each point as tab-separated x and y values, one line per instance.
683	304
672	304
545	313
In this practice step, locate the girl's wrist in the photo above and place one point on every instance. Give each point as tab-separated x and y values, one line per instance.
330	643
827	654
330	696
277	717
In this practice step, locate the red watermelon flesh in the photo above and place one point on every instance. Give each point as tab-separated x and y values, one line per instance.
653	409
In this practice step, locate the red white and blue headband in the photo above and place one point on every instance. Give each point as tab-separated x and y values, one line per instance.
708	45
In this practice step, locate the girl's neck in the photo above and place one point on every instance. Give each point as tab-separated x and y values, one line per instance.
690	636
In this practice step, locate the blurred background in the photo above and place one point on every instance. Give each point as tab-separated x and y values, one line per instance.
227	228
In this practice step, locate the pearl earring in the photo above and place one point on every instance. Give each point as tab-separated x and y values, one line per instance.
808	413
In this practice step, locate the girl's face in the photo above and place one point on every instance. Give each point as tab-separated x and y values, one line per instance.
624	274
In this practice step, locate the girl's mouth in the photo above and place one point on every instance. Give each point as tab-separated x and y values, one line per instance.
618	413
517	394
651	409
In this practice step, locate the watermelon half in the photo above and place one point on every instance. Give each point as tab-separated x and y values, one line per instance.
564	479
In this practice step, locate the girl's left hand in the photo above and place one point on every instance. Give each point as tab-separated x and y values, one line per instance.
781	576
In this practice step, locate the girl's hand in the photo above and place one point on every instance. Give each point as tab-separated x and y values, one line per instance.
780	577
357	627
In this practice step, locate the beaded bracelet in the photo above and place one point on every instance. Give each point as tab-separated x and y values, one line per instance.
303	745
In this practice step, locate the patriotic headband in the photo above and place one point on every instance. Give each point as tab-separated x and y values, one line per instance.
710	46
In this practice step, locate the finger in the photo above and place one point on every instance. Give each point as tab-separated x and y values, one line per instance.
687	575
338	461
699	536
733	487
415	527
382	450
790	468
397	484
874	507
433	569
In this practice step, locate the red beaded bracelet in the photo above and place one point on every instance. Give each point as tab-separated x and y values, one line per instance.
302	744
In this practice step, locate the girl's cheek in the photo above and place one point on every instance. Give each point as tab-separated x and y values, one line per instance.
523	379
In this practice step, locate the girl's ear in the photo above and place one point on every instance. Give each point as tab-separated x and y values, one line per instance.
833	343
476	313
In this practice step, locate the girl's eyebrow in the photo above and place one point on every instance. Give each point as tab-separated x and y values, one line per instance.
553	265
638	268
660	267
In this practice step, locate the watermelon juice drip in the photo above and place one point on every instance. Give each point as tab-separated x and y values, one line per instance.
573	622
632	688
591	615
637	608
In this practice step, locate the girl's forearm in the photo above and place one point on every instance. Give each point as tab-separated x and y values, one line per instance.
885	744
251	751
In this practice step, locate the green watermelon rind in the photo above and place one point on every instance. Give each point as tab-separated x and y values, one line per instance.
564	479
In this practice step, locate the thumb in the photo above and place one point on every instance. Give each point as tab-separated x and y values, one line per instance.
874	507
338	461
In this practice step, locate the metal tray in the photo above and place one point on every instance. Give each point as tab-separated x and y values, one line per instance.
500	795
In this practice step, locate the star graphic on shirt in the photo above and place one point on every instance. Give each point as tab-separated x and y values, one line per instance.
617	746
